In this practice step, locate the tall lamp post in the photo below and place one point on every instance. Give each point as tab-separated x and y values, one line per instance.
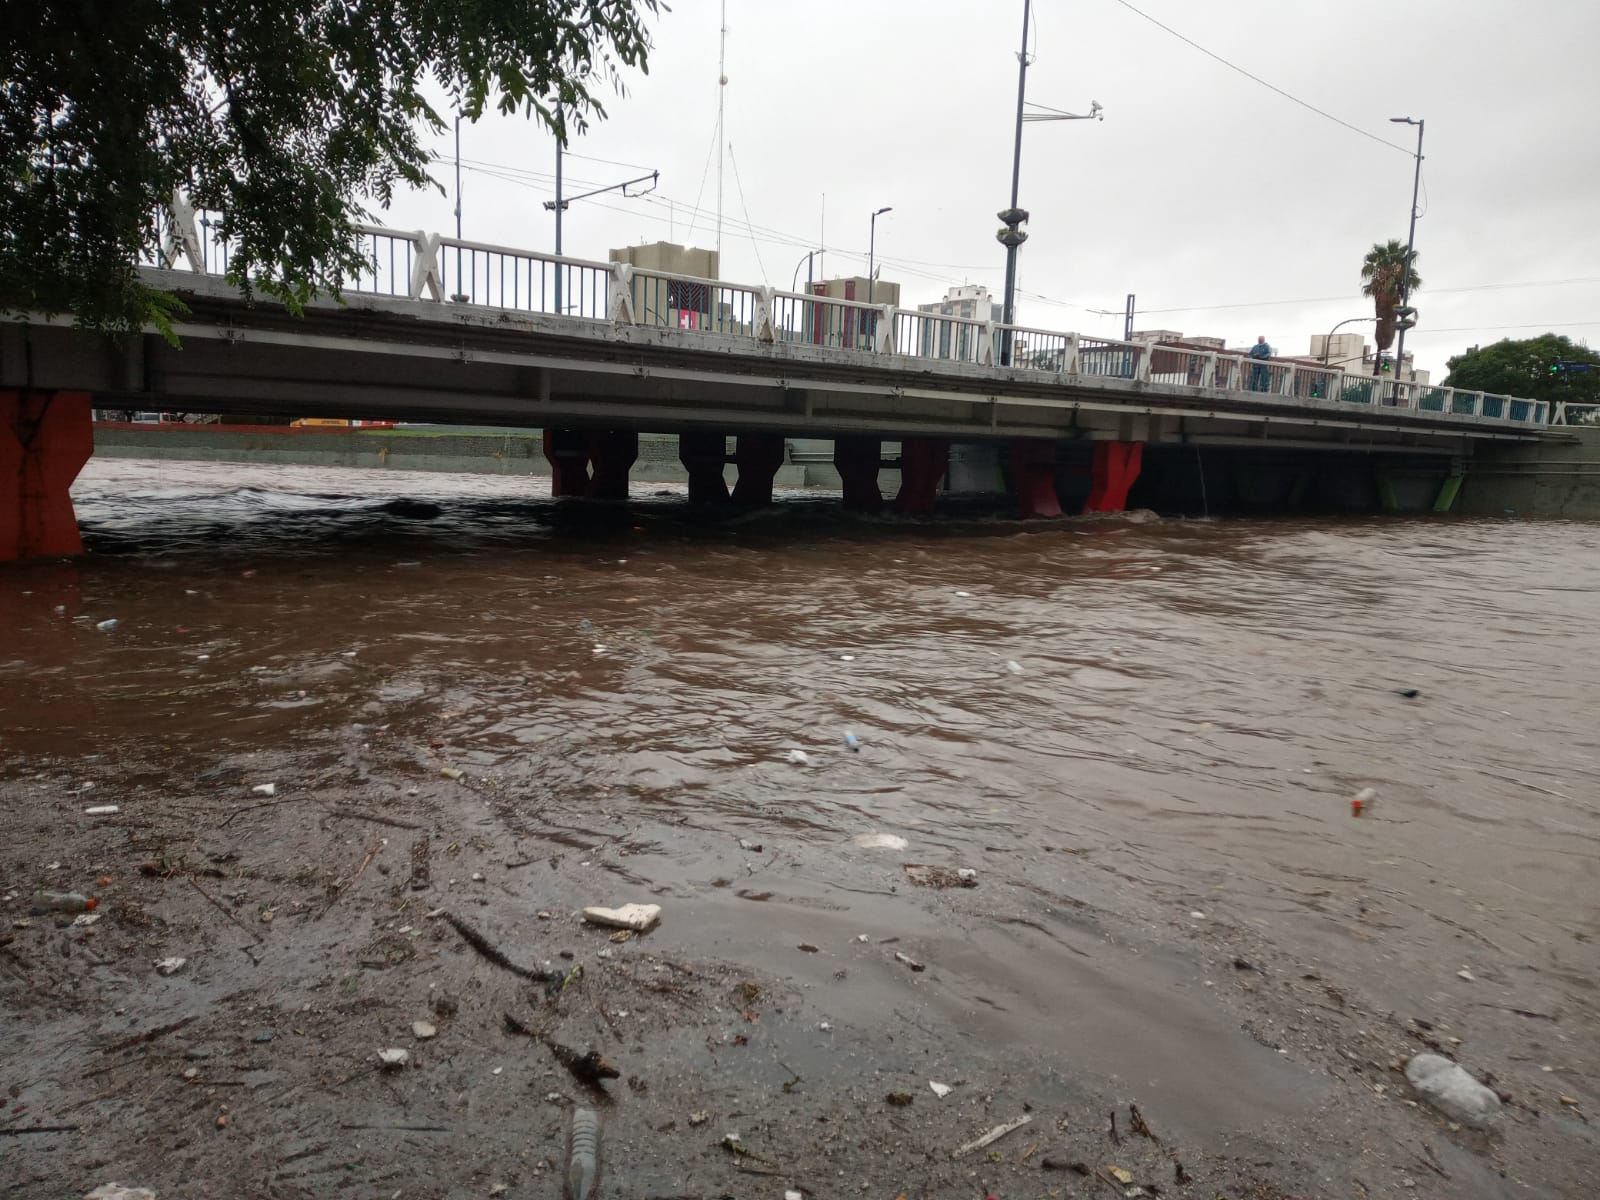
872	245
460	296
1408	318
1011	235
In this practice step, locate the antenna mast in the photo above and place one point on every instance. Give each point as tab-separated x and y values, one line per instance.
722	97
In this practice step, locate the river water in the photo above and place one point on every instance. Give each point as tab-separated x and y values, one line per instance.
1161	719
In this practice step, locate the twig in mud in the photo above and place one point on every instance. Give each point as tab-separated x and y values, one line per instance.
353	814
228	820
745	1168
994	1135
217	904
404	1128
1140	1125
794	1077
1116	1138
149	1035
481	944
1432	1163
15	1130
346	886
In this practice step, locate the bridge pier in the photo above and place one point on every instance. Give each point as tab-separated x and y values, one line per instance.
759	456
612	452
703	456
1033	470
567	451
1116	466
857	459
45	438
922	465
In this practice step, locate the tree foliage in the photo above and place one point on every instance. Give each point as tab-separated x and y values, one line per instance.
1524	368
1383	274
289	119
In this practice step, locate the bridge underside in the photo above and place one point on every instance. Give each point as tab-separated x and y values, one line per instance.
594	387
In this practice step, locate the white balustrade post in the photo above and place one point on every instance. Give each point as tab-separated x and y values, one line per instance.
1069	365
182	235
1208	369
986	347
761	324
1142	357
425	267
619	311
883	343
1289	380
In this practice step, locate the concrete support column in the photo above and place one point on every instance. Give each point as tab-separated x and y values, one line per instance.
1116	466
759	456
567	451
1033	468
45	438
922	466
857	459
704	455
612	452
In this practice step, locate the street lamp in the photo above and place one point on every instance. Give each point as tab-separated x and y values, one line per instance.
1011	236
460	296
1327	342
1411	240
872	245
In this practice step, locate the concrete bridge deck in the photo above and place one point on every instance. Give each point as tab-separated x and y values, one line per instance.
593	353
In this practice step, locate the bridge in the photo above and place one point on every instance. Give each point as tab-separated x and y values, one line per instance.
593	353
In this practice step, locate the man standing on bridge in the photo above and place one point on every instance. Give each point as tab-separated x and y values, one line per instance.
1259	373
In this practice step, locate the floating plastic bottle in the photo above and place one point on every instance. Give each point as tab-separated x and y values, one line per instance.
71	902
583	1156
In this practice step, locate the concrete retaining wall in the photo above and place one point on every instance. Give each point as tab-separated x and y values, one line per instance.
1551	479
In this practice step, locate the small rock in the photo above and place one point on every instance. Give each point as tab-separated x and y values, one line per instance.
880	841
169	966
264	789
798	757
191	1072
1013	666
1467	975
451	772
1452	1090
477	877
120	1191
392	1058
1197	915
638	917
222	1122
101	810
940	1090
699	1118
108	625
497	1189
910	962
422	1030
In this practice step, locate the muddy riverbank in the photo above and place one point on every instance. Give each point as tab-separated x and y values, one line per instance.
1141	736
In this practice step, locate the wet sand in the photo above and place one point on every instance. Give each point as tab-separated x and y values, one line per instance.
1141	734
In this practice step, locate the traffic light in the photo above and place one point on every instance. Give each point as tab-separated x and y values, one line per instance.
1385	363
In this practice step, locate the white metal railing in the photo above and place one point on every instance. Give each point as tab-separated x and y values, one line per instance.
427	267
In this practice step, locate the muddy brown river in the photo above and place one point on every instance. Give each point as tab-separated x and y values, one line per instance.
1141	737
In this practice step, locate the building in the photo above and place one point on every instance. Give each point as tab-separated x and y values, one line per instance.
950	339
838	326
969	300
673	302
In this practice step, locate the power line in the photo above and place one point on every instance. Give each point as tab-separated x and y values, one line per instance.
739	183
1432	291
1269	86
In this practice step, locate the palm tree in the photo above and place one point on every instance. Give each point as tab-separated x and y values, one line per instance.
1384	270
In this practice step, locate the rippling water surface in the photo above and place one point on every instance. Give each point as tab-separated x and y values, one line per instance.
1147	715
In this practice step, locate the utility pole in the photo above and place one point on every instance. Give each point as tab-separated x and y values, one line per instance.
460	296
561	203
1407	318
722	99
1011	236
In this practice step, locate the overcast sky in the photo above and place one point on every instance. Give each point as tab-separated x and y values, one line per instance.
1228	209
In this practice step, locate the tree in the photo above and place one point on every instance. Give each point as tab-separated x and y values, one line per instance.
1384	270
1527	368
287	119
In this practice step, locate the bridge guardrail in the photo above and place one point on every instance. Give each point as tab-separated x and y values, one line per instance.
425	266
